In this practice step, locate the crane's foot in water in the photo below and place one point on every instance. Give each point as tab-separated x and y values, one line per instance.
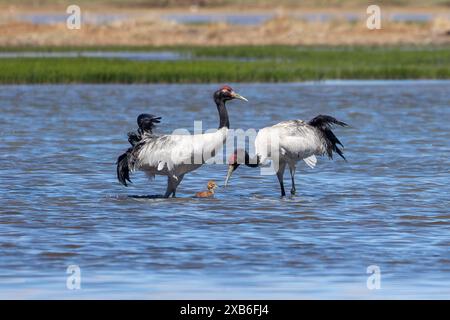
153	196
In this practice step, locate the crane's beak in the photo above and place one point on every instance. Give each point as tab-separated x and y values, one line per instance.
238	96
231	169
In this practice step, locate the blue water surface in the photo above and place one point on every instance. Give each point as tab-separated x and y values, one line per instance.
387	206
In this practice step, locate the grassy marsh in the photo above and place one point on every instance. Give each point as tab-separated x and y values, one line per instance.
234	64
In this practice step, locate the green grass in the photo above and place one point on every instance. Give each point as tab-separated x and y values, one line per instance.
225	64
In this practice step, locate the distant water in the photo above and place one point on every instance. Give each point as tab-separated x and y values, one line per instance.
122	55
260	18
235	19
126	55
387	206
52	18
244	18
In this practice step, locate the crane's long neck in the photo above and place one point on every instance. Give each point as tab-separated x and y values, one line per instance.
251	162
224	121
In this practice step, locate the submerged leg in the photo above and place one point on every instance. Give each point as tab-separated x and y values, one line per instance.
176	185
280	174
292	171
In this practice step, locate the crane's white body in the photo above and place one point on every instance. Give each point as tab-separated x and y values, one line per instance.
290	141
293	140
175	155
178	154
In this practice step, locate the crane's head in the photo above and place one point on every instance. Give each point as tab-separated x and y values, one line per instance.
225	93
238	157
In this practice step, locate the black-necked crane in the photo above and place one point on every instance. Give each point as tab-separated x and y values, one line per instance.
295	140
173	155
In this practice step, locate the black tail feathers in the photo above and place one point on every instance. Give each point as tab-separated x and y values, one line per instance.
324	123
146	123
123	167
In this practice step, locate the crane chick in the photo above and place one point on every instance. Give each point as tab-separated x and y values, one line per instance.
206	194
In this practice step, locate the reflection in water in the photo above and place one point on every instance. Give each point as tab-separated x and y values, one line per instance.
387	206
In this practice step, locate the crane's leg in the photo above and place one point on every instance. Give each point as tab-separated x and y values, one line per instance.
176	185
280	174
171	186
292	171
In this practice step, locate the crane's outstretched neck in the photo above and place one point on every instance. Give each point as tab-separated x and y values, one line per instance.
251	162
224	121
233	163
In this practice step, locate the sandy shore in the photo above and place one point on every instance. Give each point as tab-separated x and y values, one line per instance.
148	27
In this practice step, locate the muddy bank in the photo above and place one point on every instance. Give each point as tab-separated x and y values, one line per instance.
157	27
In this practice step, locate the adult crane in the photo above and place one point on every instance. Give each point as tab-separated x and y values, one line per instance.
173	155
292	140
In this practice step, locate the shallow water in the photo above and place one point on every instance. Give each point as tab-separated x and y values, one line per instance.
387	206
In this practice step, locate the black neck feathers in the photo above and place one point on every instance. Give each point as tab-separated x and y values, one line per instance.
224	121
